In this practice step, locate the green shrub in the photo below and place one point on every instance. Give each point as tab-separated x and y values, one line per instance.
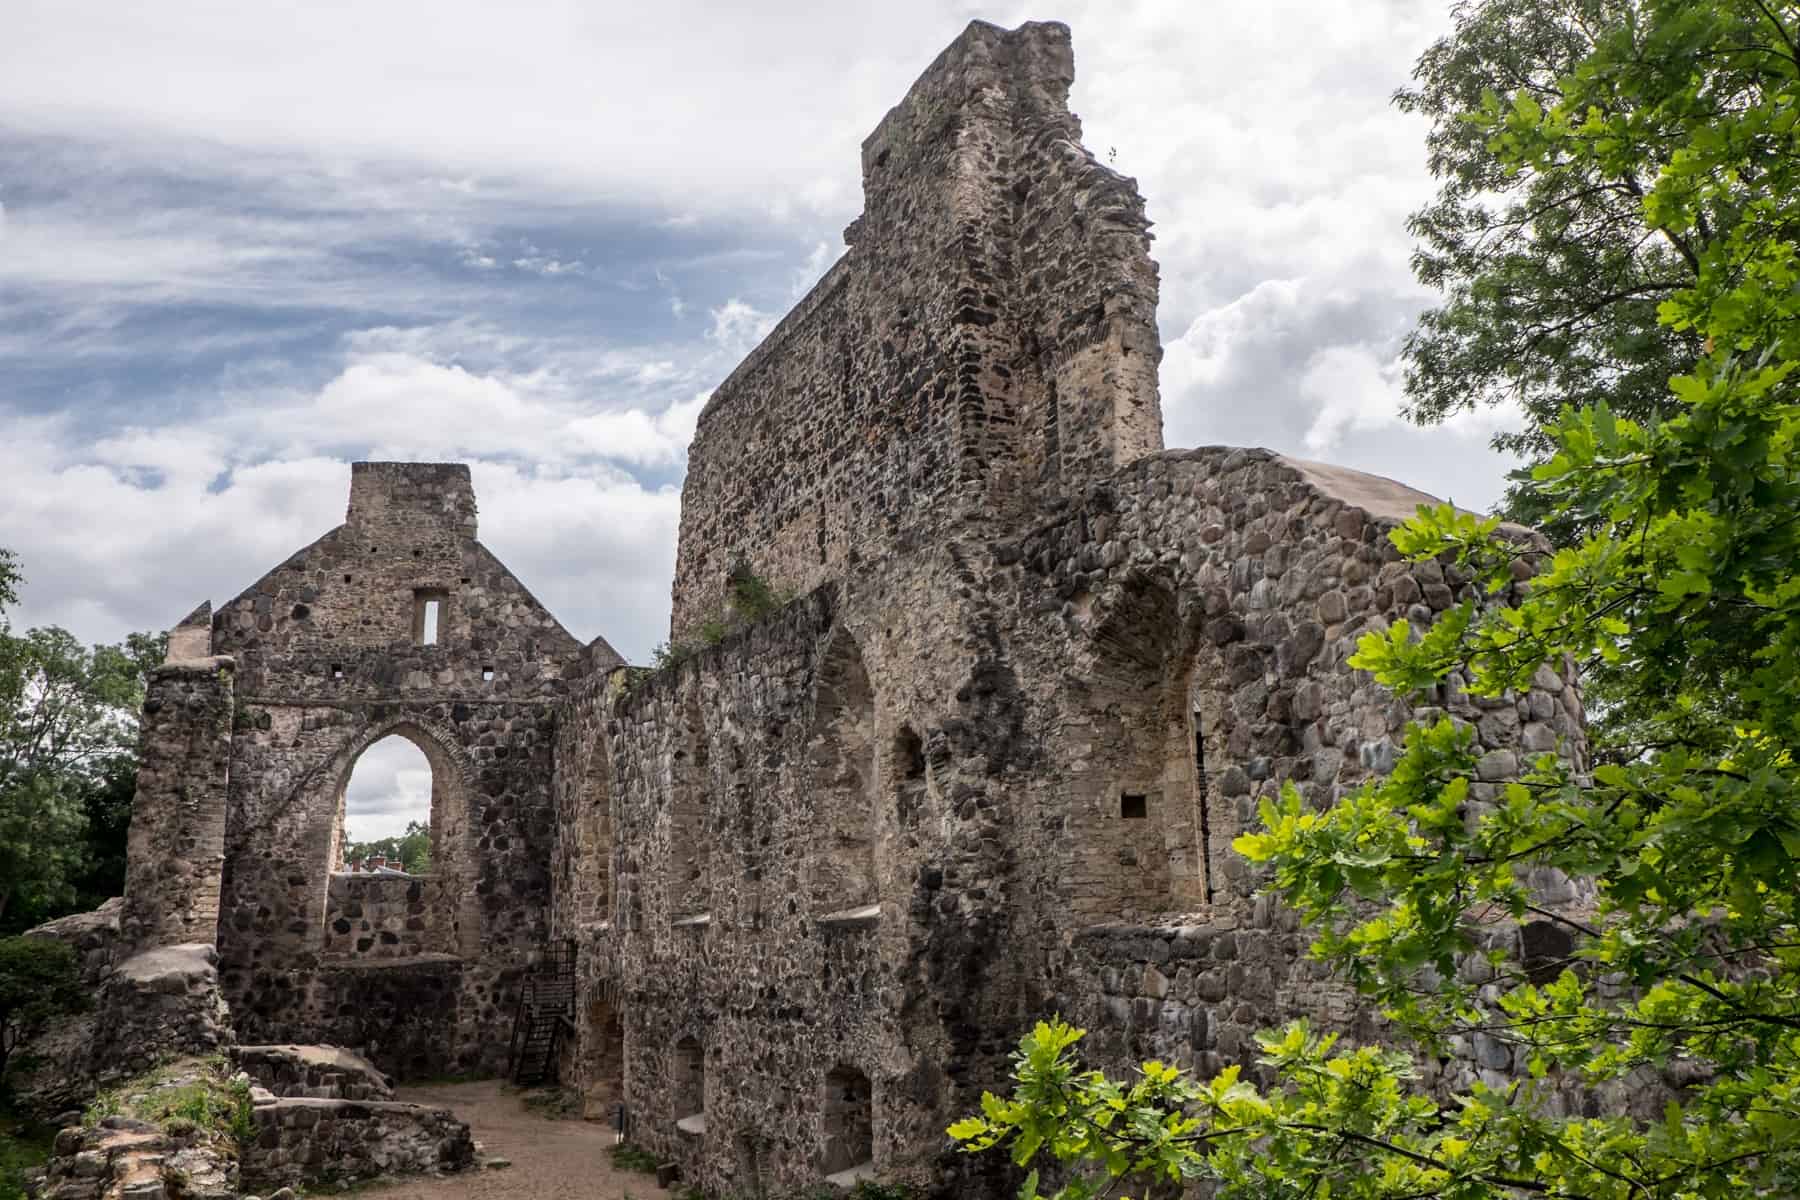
39	979
628	1157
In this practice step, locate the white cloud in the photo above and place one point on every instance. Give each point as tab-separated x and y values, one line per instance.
362	176
1351	390
738	326
133	530
389	786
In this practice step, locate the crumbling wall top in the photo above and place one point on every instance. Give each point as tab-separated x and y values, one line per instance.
394	493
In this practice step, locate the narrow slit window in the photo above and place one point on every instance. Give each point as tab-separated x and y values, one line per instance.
428	617
1205	816
1134	807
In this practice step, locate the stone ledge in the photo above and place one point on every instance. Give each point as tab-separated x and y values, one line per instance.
391	964
865	916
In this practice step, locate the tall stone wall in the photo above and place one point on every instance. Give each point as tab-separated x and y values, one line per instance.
335	652
1005	733
841	919
176	854
988	339
990	764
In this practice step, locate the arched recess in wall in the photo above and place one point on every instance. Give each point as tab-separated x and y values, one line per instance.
687	1084
592	868
843	772
602	1061
396	914
1187	731
849	1112
689	880
1133	805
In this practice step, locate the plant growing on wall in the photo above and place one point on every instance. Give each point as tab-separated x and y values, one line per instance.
1682	984
749	598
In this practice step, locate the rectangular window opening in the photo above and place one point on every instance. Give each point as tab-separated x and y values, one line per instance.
428	612
1134	807
487	674
337	672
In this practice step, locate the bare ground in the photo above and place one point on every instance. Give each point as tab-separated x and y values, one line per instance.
551	1159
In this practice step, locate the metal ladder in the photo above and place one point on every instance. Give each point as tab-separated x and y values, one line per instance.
546	1008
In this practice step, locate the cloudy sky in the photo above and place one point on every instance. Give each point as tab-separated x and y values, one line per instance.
243	244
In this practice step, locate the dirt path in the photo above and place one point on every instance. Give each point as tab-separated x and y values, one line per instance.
551	1160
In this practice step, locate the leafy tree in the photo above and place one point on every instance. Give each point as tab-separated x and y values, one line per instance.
1687	967
66	746
39	978
411	849
1551	272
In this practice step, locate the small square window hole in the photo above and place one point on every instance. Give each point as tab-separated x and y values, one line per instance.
1134	807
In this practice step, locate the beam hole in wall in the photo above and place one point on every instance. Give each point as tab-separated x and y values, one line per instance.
849	1120
909	773
301	612
1134	806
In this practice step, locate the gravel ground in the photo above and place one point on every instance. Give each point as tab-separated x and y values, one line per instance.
551	1159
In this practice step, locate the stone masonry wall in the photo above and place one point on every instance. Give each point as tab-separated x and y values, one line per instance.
385	916
804	771
1057	674
989	766
175	858
333	655
988	337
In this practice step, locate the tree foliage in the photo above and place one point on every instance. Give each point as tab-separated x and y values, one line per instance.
39	978
1681	989
1551	272
67	752
411	849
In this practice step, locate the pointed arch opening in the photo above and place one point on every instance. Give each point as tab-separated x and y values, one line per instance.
843	769
398	878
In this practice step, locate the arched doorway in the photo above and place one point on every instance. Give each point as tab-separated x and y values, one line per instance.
399	874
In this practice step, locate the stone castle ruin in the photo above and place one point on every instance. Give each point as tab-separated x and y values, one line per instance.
793	899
